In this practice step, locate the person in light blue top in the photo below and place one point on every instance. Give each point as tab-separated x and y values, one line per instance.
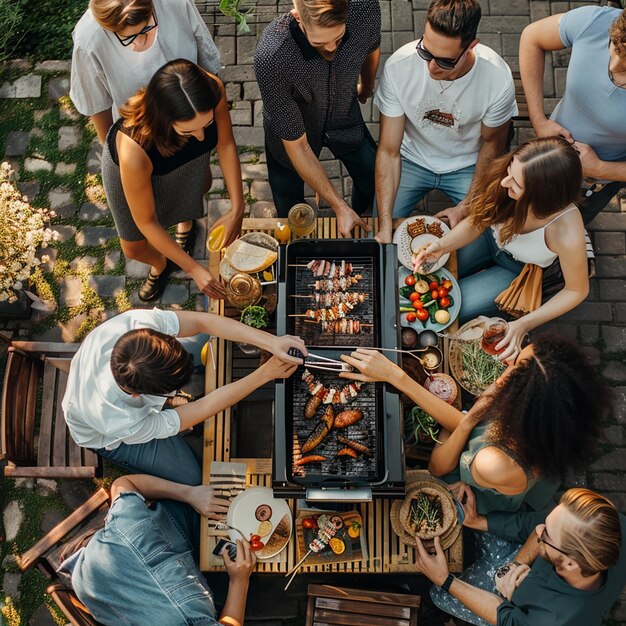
591	112
140	568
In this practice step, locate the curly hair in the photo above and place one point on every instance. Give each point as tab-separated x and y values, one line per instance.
552	176
617	34
550	408
146	361
177	92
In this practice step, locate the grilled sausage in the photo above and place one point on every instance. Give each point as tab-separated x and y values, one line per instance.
329	416
316	437
347	418
311	407
312	458
355	445
348	452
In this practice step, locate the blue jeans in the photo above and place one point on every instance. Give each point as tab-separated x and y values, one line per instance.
484	271
417	181
169	458
288	188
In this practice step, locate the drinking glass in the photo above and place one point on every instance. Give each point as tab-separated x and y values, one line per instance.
493	332
302	219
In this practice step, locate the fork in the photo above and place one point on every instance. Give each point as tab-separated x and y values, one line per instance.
224	526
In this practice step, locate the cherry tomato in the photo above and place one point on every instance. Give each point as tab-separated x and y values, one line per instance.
447	284
417	304
434	294
411	317
255	546
444	302
433	285
414	296
410	280
308	522
443	292
422	315
255	538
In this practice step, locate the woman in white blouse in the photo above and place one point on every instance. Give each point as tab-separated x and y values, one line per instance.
120	44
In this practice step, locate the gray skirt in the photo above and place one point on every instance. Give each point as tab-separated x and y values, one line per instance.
177	195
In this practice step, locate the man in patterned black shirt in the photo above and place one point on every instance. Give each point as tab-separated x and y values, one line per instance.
313	66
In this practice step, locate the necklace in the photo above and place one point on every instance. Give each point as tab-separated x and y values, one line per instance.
614	81
442	88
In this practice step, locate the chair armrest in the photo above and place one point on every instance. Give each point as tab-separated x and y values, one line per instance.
31	556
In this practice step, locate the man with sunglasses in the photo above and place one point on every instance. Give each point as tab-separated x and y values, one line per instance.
569	571
591	112
446	102
118	397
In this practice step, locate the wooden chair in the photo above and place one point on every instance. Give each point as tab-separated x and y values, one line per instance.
64	539
34	385
328	605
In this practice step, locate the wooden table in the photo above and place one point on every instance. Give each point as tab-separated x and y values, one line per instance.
386	553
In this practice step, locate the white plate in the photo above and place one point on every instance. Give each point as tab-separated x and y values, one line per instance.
454	310
405	244
241	515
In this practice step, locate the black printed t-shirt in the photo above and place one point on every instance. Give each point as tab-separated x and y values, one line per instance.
304	93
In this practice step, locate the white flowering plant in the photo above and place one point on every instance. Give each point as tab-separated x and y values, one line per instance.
23	230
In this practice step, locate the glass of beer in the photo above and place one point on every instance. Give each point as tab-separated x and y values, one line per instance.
493	332
302	219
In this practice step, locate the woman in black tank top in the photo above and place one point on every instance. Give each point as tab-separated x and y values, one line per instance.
156	168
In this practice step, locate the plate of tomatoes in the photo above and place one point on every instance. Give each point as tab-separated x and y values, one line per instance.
428	300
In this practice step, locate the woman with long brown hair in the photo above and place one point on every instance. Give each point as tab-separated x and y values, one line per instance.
522	211
156	168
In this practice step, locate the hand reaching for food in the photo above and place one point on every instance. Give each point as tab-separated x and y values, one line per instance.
430	253
243	565
204	499
372	365
281	345
277	368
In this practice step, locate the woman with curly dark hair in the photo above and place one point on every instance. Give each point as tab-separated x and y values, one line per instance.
537	422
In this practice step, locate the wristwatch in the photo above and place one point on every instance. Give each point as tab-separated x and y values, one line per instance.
447	582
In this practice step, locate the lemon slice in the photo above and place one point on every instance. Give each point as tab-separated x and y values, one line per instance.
265	528
216	239
268	275
203	353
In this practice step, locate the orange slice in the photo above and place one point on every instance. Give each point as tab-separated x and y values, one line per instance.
337	546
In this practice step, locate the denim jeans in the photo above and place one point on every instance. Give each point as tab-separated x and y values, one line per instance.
593	204
140	569
484	271
417	181
169	458
288	188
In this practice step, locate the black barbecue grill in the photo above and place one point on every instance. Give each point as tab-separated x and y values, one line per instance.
339	478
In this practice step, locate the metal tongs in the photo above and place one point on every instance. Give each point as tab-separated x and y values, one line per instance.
319	362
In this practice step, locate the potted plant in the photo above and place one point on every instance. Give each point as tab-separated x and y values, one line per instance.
23	230
255	316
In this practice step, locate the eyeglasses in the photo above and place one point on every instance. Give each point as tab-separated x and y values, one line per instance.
542	539
127	41
444	64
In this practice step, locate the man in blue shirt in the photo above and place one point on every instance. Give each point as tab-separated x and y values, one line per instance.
570	570
140	568
591	112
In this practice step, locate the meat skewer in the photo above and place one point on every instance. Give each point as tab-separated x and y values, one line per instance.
328	269
330	298
331	395
336	284
343	326
320	431
331	313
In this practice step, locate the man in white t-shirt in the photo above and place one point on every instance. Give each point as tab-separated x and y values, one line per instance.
445	103
116	401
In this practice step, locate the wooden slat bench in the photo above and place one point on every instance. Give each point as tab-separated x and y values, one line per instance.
35	439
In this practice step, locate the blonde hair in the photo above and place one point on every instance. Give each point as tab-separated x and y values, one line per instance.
617	33
594	541
324	13
116	15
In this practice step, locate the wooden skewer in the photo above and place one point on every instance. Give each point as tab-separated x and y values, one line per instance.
360	267
310	321
293	295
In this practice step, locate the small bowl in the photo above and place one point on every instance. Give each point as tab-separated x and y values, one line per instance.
428	338
410	338
432	358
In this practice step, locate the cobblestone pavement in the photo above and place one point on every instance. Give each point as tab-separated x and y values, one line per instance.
86	279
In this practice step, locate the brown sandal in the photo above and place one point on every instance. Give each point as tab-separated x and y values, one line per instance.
154	286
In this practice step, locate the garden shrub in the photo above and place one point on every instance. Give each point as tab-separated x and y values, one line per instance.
10	17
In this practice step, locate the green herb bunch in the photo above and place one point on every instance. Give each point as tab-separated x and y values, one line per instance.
425	513
418	421
255	316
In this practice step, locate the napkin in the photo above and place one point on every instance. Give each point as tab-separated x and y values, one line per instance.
523	295
229	480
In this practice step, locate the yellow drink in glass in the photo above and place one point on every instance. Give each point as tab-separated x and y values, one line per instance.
302	219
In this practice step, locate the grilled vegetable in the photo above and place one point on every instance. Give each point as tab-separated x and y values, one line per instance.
348	452
355	445
311	406
329	416
316	437
312	458
347	418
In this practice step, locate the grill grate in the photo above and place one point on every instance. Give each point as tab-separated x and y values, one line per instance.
366	312
365	431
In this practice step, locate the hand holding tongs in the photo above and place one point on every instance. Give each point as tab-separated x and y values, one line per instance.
319	362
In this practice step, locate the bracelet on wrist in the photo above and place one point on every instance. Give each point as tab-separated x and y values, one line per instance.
445	586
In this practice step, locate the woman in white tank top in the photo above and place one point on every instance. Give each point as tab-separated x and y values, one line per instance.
520	211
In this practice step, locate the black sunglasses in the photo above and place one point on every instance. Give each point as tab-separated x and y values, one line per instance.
126	41
444	64
542	539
